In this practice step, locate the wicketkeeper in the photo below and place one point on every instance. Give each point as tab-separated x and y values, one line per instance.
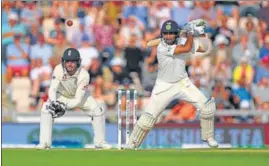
68	90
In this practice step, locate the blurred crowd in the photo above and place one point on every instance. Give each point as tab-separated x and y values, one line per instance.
111	38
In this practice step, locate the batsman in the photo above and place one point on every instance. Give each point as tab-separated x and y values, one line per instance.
173	81
68	90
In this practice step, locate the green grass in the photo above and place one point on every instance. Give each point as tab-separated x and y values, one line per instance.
175	157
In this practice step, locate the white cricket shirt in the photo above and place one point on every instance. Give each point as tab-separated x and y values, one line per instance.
73	88
171	68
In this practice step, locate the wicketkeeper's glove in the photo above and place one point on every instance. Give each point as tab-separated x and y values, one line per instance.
195	27
57	109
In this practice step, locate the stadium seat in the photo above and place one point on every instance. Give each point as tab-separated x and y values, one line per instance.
21	89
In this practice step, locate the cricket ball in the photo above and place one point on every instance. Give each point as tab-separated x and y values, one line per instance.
69	23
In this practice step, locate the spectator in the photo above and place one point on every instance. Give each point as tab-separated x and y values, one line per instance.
33	32
180	13
57	9
87	52
260	93
223	72
77	35
53	36
58	49
30	13
41	50
247	8
133	26
9	30
241	91
223	98
228	8
40	76
17	58
244	48
101	82
196	70
263	14
252	33
138	10
262	70
222	95
162	12
134	56
7	8
221	51
104	34
264	50
244	71
96	70
120	76
224	30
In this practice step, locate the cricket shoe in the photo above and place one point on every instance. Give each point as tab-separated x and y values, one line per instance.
212	142
103	145
131	146
42	147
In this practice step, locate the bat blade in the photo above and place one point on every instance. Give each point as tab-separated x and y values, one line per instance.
153	42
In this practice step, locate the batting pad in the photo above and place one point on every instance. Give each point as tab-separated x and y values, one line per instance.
209	109
141	130
46	121
207	128
207	119
98	125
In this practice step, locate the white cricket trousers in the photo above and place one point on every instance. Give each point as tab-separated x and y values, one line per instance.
163	93
89	106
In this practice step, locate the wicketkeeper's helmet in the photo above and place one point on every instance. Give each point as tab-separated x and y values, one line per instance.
71	54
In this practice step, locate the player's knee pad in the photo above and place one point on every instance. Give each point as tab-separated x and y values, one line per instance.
208	109
141	129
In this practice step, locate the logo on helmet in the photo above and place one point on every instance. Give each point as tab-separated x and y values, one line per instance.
69	53
168	26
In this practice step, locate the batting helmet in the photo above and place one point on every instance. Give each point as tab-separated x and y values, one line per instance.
170	26
71	54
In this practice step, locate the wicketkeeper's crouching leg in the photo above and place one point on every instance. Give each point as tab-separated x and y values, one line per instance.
93	109
207	122
46	122
141	130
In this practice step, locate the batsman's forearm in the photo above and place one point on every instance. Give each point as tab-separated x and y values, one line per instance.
186	47
189	42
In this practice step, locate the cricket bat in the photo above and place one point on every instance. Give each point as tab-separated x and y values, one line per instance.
153	42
